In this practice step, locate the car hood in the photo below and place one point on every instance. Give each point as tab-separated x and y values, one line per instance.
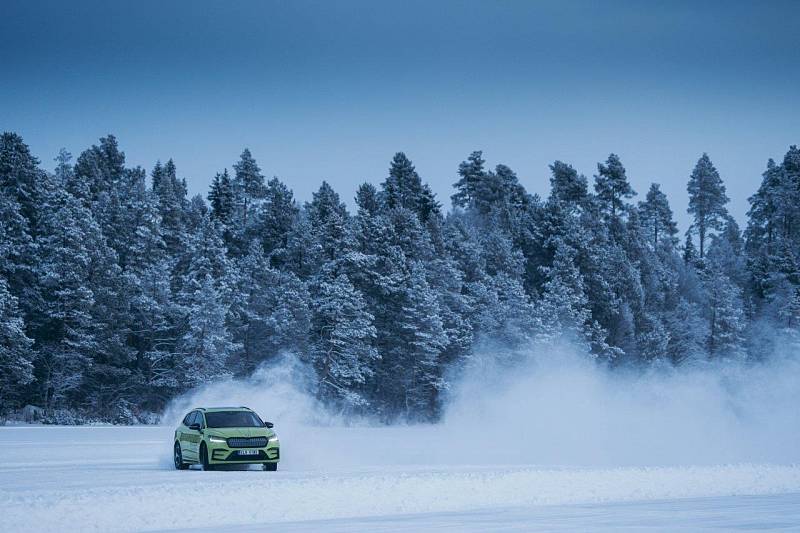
240	432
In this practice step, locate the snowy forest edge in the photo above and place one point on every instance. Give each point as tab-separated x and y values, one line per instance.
118	292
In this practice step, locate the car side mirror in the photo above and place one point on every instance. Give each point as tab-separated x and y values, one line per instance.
195	427
269	425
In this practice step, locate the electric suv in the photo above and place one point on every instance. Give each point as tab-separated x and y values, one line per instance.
225	435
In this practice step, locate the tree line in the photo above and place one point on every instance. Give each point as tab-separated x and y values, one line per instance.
119	292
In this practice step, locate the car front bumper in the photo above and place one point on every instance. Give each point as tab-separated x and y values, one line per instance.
223	454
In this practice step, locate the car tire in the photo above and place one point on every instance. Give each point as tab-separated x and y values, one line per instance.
178	458
270	467
204	457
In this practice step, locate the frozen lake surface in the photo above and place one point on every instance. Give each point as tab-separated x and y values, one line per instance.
364	479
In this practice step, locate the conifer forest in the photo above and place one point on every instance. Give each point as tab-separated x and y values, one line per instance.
119	292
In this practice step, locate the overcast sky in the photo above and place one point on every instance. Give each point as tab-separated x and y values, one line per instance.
330	90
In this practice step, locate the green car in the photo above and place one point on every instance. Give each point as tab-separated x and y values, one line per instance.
223	436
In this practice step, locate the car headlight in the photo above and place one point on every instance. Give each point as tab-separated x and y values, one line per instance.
214	438
272	438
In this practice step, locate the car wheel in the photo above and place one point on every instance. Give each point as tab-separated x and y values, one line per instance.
204	457
270	467
178	457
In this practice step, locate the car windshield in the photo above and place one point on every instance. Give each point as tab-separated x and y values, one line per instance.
233	419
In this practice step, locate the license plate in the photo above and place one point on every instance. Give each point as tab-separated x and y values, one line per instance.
248	452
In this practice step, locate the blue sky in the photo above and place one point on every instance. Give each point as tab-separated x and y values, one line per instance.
330	90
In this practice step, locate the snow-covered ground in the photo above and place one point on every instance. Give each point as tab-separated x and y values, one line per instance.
359	479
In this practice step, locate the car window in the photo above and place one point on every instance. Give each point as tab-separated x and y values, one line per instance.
187	420
233	419
199	419
192	418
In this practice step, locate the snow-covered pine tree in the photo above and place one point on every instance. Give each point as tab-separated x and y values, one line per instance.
471	173
403	187
789	197
276	218
269	312
21	178
97	170
157	323
690	255
109	376
193	319
428	207
18	261
688	332
342	349
725	315
221	197
206	344
766	217
563	309
786	303
16	356
303	249
726	251
612	186
205	254
658	271
500	200
499	254
368	200
771	234
707	200
566	185
422	332
248	192
329	220
172	206
656	218
454	307
63	324
64	170
504	317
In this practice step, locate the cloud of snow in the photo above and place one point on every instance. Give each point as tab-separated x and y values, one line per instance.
557	408
278	390
562	408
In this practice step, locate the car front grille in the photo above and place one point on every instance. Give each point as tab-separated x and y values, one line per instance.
247	442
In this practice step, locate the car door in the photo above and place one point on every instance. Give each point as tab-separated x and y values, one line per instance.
183	434
197	435
190	438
